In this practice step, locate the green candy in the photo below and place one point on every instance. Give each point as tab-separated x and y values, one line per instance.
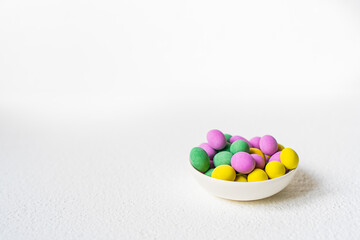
199	159
209	172
222	158
227	136
239	146
227	147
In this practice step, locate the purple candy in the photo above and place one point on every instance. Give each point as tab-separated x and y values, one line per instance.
255	142
275	157
243	162
209	150
216	139
235	138
211	164
259	161
268	145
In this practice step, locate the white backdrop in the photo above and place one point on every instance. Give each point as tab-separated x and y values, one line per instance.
101	102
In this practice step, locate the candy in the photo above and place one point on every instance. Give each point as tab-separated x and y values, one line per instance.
216	139
242	162
257	151
275	157
275	169
257	175
209	172
222	158
240	178
239	146
289	158
268	145
259	161
235	138
255	142
224	172
199	159
227	136
233	158
209	150
280	147
227	147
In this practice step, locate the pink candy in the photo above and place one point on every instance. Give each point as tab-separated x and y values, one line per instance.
243	162
259	161
209	150
268	145
267	158
216	139
211	164
255	142
235	138
275	157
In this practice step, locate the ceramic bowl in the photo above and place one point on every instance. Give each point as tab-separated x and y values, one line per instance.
242	191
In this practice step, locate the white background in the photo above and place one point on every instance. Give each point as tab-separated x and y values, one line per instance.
101	102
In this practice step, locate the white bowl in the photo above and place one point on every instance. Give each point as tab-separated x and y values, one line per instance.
242	191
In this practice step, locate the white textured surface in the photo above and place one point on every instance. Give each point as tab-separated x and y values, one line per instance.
128	177
101	102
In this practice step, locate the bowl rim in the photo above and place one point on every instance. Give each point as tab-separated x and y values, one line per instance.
291	172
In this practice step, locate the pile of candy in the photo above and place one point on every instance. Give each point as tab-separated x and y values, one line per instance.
233	158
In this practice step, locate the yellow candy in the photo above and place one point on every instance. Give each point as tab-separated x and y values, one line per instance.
289	158
257	151
280	147
257	175
274	169
240	178
224	172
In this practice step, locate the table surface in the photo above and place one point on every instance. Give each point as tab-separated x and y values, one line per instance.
97	179
102	101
